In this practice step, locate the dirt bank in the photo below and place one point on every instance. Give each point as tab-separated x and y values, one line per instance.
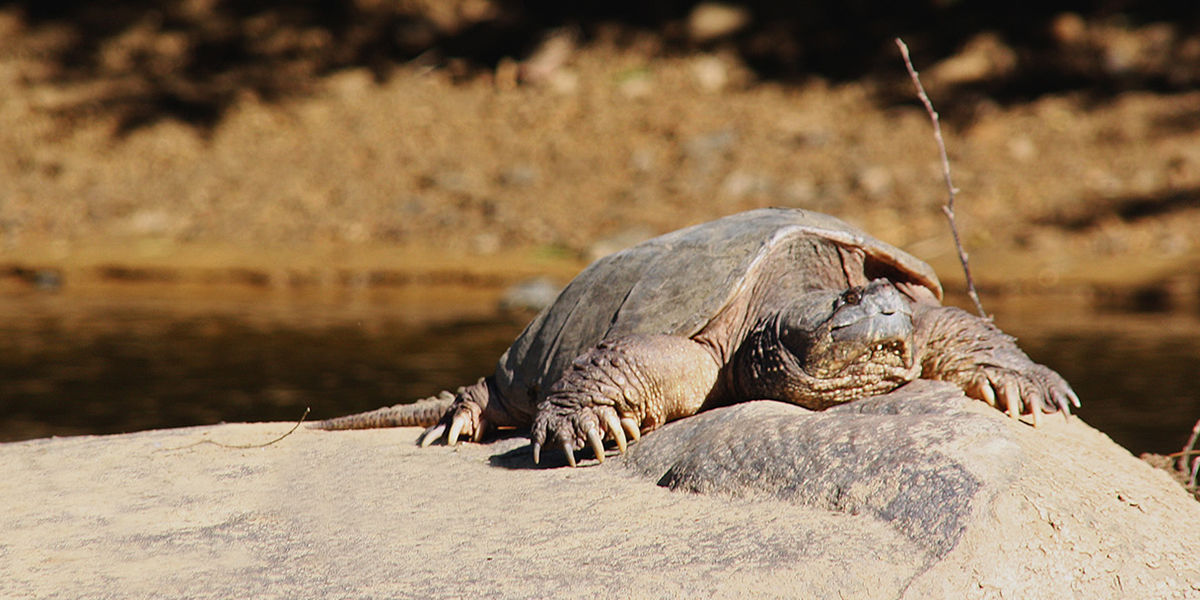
488	175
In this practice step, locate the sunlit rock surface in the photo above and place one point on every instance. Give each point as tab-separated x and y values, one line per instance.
921	494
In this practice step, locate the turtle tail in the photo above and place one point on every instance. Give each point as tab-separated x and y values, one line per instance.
422	413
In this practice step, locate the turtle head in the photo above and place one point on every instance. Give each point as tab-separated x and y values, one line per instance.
833	346
871	323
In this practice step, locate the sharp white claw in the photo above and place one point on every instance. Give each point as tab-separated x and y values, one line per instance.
613	423
456	427
1035	412
989	395
593	436
1012	397
631	427
1065	403
432	435
570	452
537	453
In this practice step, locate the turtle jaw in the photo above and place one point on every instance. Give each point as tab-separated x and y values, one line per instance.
870	324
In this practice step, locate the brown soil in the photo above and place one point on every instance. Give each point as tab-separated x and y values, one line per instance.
488	173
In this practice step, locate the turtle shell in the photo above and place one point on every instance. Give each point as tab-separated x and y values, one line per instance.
674	284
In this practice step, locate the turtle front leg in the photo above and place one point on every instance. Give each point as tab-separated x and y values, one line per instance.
624	387
986	363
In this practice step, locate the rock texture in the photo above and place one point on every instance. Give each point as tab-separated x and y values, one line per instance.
920	459
919	494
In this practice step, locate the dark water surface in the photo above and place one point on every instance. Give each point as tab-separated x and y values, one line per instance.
109	363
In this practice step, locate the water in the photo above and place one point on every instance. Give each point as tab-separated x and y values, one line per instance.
123	361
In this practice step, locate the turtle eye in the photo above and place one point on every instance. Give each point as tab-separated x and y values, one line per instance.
852	296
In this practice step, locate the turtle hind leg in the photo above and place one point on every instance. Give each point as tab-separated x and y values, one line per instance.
447	416
621	388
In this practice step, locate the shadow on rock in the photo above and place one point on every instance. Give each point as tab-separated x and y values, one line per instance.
919	458
521	457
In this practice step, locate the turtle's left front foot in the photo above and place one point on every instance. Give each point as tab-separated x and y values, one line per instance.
987	364
1032	389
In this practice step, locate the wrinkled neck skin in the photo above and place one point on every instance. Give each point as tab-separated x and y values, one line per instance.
829	347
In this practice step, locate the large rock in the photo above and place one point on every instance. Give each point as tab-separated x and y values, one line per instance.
919	494
988	507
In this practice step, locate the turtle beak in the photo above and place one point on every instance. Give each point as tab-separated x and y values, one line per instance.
871	318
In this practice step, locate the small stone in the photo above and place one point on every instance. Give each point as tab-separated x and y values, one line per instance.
486	243
550	56
800	192
643	160
636	84
875	181
520	175
714	20
563	82
1022	149
709	145
507	74
149	222
1068	28
983	57
352	83
710	73
740	184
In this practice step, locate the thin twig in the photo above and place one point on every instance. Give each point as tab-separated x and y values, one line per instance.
1191	484
1188	449
948	209
247	446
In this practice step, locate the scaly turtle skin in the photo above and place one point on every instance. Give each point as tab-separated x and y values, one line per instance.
781	304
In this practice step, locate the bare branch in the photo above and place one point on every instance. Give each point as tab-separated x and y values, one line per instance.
246	446
1188	450
948	208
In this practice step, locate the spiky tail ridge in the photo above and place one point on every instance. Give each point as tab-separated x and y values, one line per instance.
422	413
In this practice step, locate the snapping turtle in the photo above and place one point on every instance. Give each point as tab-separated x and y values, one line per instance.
782	304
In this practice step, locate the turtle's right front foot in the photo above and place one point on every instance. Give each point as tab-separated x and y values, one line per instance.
621	388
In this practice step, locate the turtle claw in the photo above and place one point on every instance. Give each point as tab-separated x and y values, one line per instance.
1064	399
615	429
980	388
463	419
431	435
570	452
632	428
597	444
456	427
986	393
1011	393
